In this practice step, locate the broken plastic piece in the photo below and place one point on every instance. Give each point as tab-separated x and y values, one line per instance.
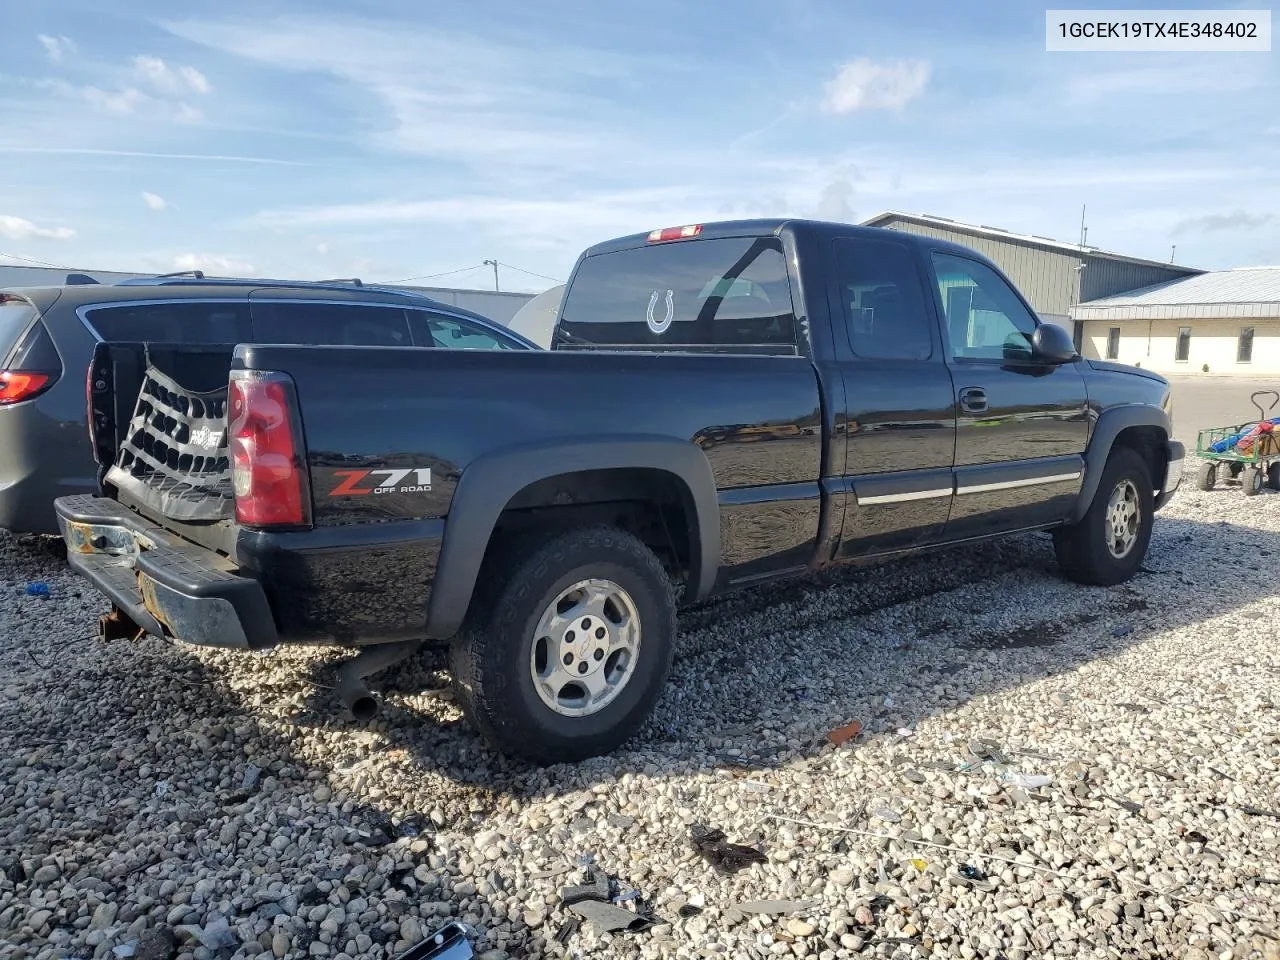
987	750
919	864
1029	781
740	911
726	857
37	589
970	872
450	942
846	733
566	932
597	889
607	918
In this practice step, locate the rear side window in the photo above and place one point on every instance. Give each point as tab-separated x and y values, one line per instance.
189	322
731	292
16	315
346	324
883	300
452	333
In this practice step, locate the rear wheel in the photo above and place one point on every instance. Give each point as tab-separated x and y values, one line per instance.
1206	475
1110	542
1251	481
569	647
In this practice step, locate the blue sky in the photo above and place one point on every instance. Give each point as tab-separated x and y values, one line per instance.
395	140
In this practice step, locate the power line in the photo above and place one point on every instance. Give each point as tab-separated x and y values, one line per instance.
540	276
432	276
41	263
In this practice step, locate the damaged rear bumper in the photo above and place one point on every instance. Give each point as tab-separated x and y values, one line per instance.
168	586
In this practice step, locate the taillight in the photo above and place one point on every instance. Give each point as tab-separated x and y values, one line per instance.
266	471
16	386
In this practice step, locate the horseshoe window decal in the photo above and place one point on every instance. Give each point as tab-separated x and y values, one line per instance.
660	326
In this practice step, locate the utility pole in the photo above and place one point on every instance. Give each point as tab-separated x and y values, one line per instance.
1173	253
494	264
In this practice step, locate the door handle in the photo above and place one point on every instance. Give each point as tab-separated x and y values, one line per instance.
973	400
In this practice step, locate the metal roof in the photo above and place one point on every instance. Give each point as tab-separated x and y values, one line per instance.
1080	250
1245	292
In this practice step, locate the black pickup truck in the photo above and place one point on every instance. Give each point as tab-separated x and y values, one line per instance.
724	404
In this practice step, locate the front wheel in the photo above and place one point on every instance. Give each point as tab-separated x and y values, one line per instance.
569	647
1110	542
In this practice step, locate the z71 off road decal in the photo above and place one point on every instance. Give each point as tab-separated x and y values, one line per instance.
357	483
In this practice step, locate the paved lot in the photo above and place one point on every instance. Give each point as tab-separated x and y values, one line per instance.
1201	402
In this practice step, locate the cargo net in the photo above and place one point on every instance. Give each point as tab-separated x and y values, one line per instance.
174	457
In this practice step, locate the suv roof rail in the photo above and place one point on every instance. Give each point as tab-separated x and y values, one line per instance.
77	279
176	280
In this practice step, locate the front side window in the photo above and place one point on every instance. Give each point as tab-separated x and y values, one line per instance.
1244	348
985	319
883	300
1113	343
187	322
452	333
727	292
1184	345
344	324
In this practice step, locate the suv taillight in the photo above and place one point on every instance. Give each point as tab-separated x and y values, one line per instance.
267	472
19	385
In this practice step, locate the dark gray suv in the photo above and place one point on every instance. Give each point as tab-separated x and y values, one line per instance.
47	336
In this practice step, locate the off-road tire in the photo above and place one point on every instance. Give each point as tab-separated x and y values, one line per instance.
1082	548
491	655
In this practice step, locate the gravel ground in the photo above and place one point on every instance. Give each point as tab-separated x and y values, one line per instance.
130	820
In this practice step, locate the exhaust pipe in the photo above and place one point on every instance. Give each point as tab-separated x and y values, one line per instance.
351	688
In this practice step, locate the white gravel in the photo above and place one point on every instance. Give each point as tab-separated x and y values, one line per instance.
1150	708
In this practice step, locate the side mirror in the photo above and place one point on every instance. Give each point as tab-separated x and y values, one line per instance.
1052	344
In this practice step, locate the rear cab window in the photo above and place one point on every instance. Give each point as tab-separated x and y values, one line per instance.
730	293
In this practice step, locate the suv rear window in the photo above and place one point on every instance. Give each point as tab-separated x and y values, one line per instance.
194	321
16	315
730	292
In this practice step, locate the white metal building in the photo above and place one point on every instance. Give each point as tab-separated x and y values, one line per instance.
1224	322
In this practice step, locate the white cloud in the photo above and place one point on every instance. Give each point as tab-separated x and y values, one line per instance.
56	48
164	78
323	248
212	263
154	200
123	101
867	84
15	228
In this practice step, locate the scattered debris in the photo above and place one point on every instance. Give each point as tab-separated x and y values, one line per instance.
1028	781
987	751
846	733
726	857
738	912
38	589
597	889
595	903
906	732
565	933
162	787
919	864
551	873
450	942
1260	812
